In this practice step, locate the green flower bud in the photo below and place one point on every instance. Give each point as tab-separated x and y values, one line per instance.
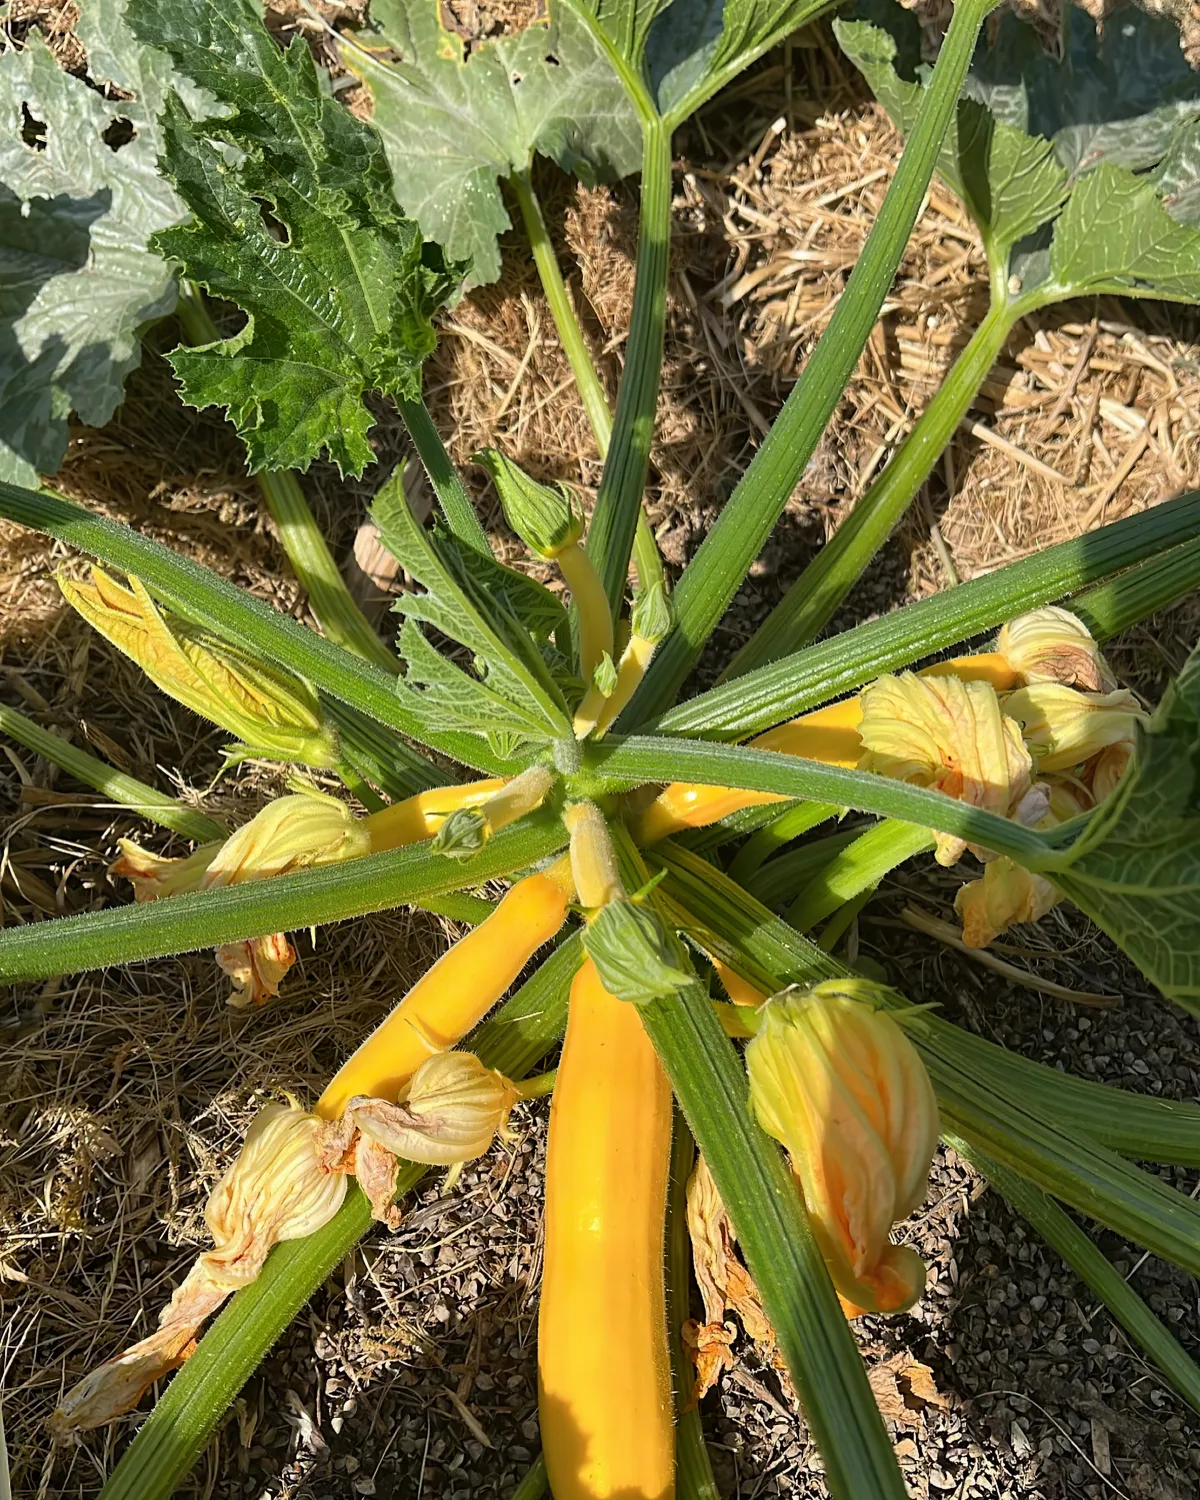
637	957
463	834
653	614
546	520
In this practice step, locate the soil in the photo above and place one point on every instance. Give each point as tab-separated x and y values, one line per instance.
411	1375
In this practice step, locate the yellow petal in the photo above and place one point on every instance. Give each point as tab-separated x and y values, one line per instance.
290	833
1065	728
153	876
1006	894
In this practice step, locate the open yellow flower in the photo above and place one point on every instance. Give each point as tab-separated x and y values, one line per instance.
952	736
271	713
1064	727
837	1082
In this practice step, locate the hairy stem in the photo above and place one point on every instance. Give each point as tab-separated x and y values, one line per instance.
447	483
718	569
308	552
619	501
812	599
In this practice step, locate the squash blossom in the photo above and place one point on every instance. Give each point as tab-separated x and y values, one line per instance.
1053	645
291	833
837	1082
1064	728
450	1113
272	714
276	1190
954	737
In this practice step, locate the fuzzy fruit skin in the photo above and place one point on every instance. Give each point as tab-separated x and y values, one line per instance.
829	735
420	817
604	1371
452	996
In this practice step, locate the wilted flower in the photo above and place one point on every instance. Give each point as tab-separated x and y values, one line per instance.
1006	893
273	714
1106	769
291	833
1053	645
451	1112
276	1190
952	736
1065	728
839	1084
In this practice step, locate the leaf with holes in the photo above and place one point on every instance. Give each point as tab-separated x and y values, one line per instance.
458	117
294	220
80	198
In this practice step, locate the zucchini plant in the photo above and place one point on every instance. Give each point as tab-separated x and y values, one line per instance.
642	834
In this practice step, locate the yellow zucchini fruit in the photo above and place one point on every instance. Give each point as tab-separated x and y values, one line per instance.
420	817
456	993
604	1371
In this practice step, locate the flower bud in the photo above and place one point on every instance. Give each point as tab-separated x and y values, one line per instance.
546	520
637	956
1064	727
652	615
836	1081
950	735
273	714
276	1190
1053	645
466	831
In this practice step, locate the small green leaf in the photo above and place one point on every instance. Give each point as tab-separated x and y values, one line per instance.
77	277
1136	868
456	124
515	692
539	611
298	226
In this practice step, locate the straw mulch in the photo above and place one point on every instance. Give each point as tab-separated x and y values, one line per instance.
128	1091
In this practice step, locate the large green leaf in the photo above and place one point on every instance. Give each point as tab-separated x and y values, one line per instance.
455	123
1136	868
77	279
298	226
1050	156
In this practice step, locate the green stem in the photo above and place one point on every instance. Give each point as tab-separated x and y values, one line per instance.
772	1227
360	788
782	829
570	335
534	1483
716	572
539	1087
447	483
179	1427
337	614
1111	607
1065	1237
121	790
693	1471
858	867
587	379
810	602
619	501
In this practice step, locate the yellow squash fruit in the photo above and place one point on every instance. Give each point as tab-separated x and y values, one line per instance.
604	1377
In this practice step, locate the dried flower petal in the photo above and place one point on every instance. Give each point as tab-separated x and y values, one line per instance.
950	735
153	875
257	966
276	1190
1053	645
1007	893
839	1084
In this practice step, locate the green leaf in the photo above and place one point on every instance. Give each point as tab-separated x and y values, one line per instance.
540	612
695	47
1040	142
514	692
456	123
227	914
77	278
834	666
1011	182
298	226
1115	236
1135	869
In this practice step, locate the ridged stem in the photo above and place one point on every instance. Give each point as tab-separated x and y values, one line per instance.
717	571
443	476
619	500
810	602
119	789
337	614
856	868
